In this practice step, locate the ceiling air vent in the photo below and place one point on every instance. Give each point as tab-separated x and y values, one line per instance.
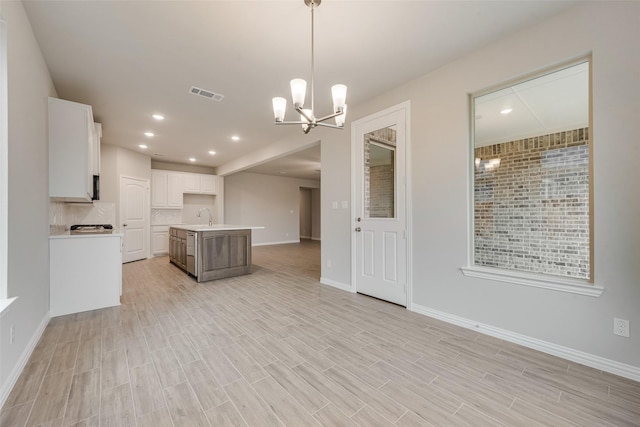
206	93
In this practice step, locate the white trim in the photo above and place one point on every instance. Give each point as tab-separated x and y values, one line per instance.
283	242
587	359
408	199
26	354
146	208
316	239
405	107
5	303
4	165
544	281
337	285
573	286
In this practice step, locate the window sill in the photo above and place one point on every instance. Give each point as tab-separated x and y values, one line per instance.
573	286
5	303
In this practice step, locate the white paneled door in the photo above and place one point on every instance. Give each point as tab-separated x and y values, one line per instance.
134	218
380	225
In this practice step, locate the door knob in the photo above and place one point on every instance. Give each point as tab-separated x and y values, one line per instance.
358	219
358	229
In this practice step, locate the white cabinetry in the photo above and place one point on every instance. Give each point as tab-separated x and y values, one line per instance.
73	146
166	189
95	149
196	183
85	273
192	183
175	190
208	184
159	240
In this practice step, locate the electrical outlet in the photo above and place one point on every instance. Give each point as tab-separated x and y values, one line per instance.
621	327
12	334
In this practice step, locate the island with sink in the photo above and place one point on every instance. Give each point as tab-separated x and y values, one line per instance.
210	252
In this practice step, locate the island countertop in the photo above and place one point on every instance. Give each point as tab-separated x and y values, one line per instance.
215	227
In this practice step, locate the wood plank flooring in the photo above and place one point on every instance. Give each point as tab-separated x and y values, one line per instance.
276	348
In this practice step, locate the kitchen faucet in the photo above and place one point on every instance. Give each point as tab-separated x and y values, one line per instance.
208	211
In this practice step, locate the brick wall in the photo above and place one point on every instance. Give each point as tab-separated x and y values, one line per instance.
381	203
532	208
379	184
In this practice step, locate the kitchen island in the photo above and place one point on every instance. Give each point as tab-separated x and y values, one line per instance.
210	252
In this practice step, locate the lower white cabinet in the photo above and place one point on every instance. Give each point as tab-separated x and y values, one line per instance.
85	273
159	240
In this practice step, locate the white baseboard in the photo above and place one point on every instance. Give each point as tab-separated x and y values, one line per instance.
305	237
22	361
591	360
284	242
315	238
334	284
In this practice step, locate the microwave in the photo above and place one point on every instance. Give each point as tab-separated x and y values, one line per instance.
96	187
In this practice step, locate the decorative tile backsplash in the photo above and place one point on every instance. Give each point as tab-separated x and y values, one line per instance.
64	215
166	216
532	205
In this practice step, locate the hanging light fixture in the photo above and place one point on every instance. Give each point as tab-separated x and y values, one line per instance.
298	90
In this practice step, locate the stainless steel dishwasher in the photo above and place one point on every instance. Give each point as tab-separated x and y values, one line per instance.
192	253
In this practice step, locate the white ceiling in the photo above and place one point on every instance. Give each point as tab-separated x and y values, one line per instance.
550	103
130	59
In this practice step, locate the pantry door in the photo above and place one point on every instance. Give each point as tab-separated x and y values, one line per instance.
134	218
379	234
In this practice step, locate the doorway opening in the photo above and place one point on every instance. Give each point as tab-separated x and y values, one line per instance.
309	213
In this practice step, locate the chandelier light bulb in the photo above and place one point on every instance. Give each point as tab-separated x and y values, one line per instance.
306	120
342	117
298	91
339	94
279	107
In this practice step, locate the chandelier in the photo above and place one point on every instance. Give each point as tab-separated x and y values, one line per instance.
308	119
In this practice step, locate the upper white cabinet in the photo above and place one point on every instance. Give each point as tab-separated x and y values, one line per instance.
95	148
166	189
74	150
195	183
175	187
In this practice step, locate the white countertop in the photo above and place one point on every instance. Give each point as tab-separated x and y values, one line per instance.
216	227
66	235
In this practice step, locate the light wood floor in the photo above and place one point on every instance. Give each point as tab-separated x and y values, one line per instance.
278	348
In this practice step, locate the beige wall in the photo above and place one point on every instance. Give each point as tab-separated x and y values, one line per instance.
116	162
440	153
167	166
269	201
29	85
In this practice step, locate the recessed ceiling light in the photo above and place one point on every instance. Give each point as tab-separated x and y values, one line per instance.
506	111
192	159
235	138
142	146
158	116
212	152
149	134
